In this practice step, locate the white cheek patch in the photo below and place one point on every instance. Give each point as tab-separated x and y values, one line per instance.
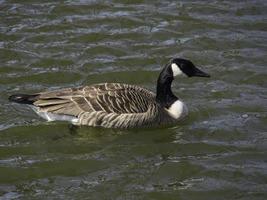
176	70
177	110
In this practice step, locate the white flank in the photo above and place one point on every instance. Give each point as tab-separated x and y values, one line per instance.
177	109
55	117
176	70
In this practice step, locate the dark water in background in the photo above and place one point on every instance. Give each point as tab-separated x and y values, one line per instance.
219	152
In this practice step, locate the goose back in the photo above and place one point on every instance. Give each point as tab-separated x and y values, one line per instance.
106	97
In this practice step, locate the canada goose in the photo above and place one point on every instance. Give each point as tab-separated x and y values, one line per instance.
115	105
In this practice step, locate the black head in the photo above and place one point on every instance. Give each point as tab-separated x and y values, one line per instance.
182	66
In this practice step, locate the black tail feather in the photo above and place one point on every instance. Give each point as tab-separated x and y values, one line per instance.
23	98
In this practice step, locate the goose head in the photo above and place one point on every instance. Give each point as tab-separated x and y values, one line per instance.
181	66
176	67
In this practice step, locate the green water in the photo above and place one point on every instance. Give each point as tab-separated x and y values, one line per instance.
218	152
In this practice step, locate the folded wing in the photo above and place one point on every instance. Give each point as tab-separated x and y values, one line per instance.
107	97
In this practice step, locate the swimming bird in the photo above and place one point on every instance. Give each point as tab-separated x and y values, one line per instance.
115	105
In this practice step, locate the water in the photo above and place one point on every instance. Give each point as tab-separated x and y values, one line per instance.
218	152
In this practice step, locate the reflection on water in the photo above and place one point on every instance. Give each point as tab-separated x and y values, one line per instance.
218	152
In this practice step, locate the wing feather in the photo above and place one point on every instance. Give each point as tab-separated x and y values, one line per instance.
107	97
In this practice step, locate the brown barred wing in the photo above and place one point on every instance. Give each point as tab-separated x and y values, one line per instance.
107	97
119	98
68	101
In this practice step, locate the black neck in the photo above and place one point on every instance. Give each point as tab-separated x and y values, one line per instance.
165	97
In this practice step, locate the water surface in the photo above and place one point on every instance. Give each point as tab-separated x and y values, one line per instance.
218	152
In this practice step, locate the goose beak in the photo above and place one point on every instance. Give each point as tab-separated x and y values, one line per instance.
200	73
